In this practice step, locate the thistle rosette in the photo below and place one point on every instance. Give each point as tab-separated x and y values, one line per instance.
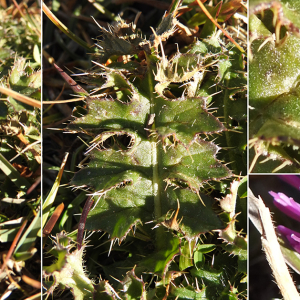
154	159
292	209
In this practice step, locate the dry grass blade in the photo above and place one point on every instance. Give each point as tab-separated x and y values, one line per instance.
20	97
64	101
13	245
34	283
53	219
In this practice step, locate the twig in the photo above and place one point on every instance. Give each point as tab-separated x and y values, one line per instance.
216	23
87	207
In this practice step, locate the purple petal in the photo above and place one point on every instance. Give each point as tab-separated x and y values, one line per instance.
286	205
293	180
292	236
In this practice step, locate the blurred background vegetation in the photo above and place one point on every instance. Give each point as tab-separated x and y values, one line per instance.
20	149
261	281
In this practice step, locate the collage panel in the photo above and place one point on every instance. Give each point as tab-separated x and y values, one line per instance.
274	136
144	180
274	243
20	150
144	150
274	69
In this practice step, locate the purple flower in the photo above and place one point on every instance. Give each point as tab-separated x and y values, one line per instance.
292	180
287	205
292	236
291	208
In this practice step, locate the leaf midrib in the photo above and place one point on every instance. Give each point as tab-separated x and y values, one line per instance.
156	161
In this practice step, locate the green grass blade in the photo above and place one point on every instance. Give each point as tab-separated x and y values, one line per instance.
51	197
24	249
64	29
13	174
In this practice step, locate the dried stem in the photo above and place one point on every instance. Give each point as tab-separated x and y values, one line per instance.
216	23
272	249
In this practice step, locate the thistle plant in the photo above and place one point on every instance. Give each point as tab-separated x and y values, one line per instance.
155	162
274	86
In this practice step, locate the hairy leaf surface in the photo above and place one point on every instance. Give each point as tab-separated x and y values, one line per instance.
275	62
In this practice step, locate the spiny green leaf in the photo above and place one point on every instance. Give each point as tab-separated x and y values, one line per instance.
68	271
186	258
121	39
104	291
184	119
133	287
126	156
185	293
160	261
274	117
